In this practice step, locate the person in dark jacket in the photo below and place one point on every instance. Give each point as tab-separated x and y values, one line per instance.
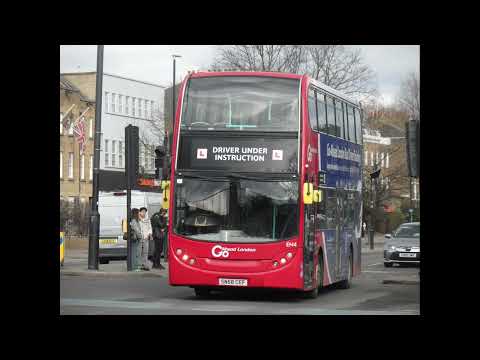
159	228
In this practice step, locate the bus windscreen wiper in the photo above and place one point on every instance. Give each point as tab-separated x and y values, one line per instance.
202	177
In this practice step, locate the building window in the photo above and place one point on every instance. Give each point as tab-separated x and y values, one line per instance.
82	167
70	128
90	129
114	101
61	125
120	104
387	161
366	158
376	158
140	107
107	101
114	155
387	183
61	164
383	160
152	109
133	106
70	165
106	153
371	158
90	176
127	100
120	154
152	157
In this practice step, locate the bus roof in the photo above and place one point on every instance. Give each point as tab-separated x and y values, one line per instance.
316	83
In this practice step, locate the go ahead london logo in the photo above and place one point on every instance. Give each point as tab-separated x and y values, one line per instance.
221	251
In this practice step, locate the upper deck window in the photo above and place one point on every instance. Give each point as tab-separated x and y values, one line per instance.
241	103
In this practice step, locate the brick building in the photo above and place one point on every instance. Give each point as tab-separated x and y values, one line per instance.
76	171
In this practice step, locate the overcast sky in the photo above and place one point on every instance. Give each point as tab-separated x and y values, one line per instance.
153	63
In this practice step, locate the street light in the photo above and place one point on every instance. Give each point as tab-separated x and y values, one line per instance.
173	89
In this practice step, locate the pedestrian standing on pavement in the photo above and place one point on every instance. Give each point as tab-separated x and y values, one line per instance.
147	235
136	237
159	227
364	227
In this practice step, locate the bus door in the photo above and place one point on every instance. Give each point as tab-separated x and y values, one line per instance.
309	245
339	233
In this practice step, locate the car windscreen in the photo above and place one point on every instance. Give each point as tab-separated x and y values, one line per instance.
408	231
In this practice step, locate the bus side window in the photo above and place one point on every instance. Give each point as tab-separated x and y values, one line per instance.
331	208
358	125
339	118
322	211
321	112
331	116
312	112
351	124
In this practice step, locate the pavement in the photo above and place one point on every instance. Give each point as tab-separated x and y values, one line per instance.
76	264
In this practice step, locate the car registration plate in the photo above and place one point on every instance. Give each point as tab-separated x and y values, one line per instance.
108	241
232	282
409	255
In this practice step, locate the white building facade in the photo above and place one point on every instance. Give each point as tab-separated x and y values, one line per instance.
127	101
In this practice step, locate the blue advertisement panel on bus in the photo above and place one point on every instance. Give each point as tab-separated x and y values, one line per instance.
341	162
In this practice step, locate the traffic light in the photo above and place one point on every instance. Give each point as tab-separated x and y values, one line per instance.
375	174
131	155
413	147
159	161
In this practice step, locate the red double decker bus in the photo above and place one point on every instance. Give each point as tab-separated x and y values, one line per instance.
265	184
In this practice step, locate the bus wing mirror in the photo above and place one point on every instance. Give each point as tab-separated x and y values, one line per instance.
307	193
317	196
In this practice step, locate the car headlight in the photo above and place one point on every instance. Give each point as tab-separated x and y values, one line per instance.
391	248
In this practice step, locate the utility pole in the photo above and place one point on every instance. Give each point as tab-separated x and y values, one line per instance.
95	216
131	175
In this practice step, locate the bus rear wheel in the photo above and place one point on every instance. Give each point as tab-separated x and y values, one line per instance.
201	292
345	284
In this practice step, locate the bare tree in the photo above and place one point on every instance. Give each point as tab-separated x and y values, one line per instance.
341	68
282	58
334	65
151	135
409	96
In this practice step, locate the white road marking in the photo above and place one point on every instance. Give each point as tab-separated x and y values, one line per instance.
373	271
375	264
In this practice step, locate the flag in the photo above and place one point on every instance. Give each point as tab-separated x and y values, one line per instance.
79	133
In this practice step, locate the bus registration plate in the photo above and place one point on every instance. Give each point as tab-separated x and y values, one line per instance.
408	255
232	282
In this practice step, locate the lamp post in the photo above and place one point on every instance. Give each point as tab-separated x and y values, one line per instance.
173	89
95	216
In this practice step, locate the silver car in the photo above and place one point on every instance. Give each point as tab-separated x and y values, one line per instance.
403	245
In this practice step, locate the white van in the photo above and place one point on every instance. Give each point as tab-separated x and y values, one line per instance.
112	207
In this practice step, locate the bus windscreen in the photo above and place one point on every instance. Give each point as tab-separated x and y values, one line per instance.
241	103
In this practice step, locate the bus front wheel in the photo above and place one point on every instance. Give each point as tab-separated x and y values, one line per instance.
313	294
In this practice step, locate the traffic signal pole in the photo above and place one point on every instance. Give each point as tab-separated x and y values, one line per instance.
94	228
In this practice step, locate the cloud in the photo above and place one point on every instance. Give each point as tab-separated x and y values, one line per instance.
153	63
